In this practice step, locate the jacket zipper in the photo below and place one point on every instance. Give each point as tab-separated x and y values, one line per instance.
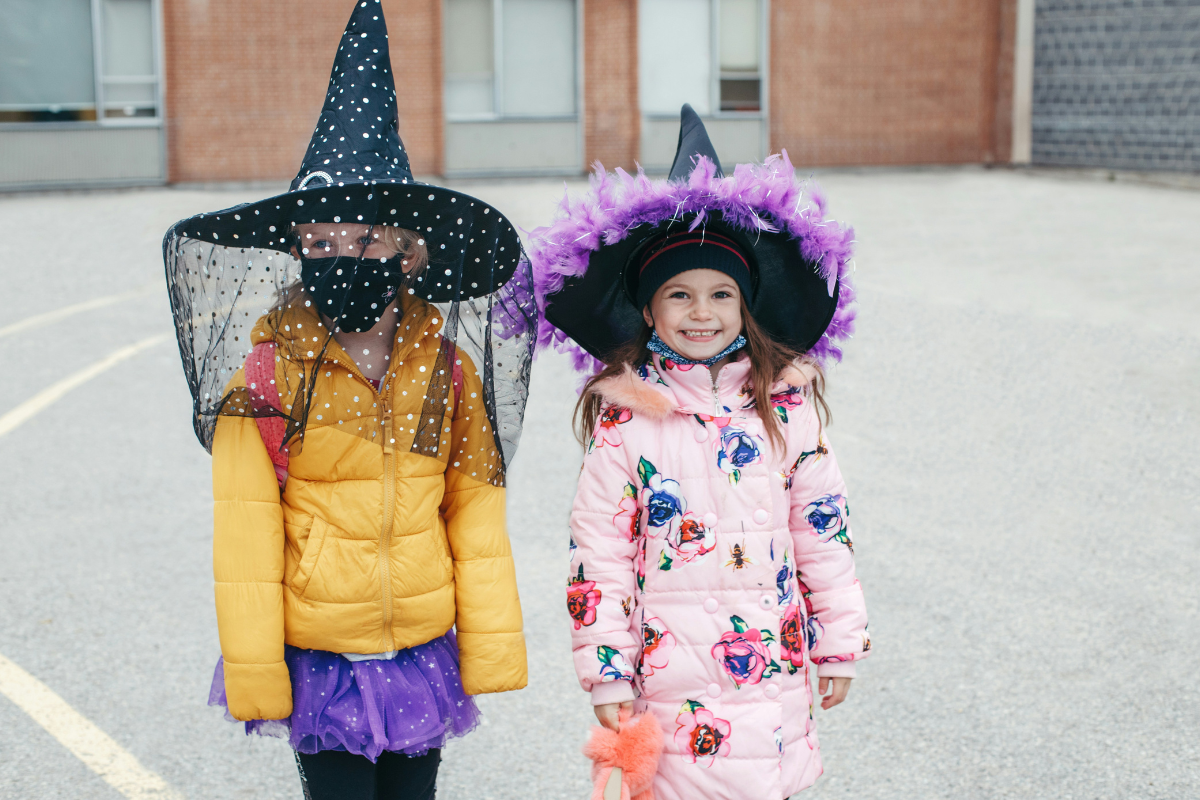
716	393
385	536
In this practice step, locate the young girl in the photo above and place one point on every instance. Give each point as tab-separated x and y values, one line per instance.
711	559
364	582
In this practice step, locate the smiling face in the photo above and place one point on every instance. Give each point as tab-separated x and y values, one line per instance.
697	313
330	240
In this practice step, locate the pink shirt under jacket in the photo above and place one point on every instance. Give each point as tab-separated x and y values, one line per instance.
708	570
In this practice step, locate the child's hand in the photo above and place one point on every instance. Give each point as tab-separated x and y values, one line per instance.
609	714
840	686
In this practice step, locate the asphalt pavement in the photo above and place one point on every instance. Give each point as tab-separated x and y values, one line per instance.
1017	419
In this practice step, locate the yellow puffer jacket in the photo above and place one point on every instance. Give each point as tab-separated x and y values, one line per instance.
369	549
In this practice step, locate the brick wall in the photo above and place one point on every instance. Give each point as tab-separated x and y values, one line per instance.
1116	83
612	122
245	82
901	82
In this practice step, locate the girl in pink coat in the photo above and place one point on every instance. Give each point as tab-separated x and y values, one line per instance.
712	564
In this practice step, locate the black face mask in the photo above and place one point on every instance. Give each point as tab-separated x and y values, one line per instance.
352	292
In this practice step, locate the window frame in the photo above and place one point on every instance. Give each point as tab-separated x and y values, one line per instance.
497	113
98	77
715	74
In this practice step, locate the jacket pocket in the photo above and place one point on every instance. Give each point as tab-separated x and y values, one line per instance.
308	561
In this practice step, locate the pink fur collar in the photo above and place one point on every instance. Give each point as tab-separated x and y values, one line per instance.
628	390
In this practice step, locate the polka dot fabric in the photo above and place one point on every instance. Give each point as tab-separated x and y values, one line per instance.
235	282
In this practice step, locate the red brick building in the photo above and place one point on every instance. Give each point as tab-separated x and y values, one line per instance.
231	88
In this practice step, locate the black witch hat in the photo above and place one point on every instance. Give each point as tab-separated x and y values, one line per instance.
586	263
356	170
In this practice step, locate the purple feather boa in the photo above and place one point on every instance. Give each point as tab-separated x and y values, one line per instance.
757	197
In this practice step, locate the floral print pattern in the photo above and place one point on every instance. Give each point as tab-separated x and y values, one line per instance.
690	541
626	518
744	655
736	450
613	666
821	450
657	646
661	497
700	736
828	517
781	402
582	599
607	432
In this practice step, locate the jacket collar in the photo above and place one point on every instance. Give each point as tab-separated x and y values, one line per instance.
661	388
297	324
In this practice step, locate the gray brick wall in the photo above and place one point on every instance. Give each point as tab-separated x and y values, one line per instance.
1116	83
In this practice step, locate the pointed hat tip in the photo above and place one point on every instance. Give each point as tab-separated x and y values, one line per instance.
693	141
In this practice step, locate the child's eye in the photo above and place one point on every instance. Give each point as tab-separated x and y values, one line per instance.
321	244
678	295
721	295
364	240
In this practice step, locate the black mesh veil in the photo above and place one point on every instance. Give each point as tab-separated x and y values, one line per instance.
225	300
446	268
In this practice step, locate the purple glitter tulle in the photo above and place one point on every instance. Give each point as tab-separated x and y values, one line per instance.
409	704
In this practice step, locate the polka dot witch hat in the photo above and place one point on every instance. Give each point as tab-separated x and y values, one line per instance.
259	291
357	171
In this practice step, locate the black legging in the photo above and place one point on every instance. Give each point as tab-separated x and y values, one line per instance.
338	775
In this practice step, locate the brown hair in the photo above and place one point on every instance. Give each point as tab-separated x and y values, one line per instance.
768	361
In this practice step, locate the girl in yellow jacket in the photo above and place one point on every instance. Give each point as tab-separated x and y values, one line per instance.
359	430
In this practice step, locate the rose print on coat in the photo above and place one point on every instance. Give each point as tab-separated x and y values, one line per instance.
781	403
607	432
785	587
626	518
657	645
744	655
613	666
668	364
661	497
736	450
700	736
827	515
791	639
582	599
689	542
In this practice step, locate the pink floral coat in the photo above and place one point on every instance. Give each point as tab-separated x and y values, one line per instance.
708	569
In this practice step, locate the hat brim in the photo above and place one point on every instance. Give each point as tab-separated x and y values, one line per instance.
791	300
473	248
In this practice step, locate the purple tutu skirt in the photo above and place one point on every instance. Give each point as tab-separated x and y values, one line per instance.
409	704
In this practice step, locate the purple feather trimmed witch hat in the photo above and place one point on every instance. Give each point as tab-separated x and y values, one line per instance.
800	261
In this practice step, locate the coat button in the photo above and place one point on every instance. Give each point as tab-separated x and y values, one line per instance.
772	691
702	434
767	601
761	516
710	520
711	605
714	690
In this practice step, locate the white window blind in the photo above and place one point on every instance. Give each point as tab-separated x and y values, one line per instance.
675	55
46	62
128	62
469	61
538	65
739	35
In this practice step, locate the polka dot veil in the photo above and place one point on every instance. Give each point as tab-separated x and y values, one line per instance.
428	291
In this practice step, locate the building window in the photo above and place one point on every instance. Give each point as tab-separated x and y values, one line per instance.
510	58
79	61
705	52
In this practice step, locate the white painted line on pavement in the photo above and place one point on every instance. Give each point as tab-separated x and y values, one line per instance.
51	393
92	746
38	320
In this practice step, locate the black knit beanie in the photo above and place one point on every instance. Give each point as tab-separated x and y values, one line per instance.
673	254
